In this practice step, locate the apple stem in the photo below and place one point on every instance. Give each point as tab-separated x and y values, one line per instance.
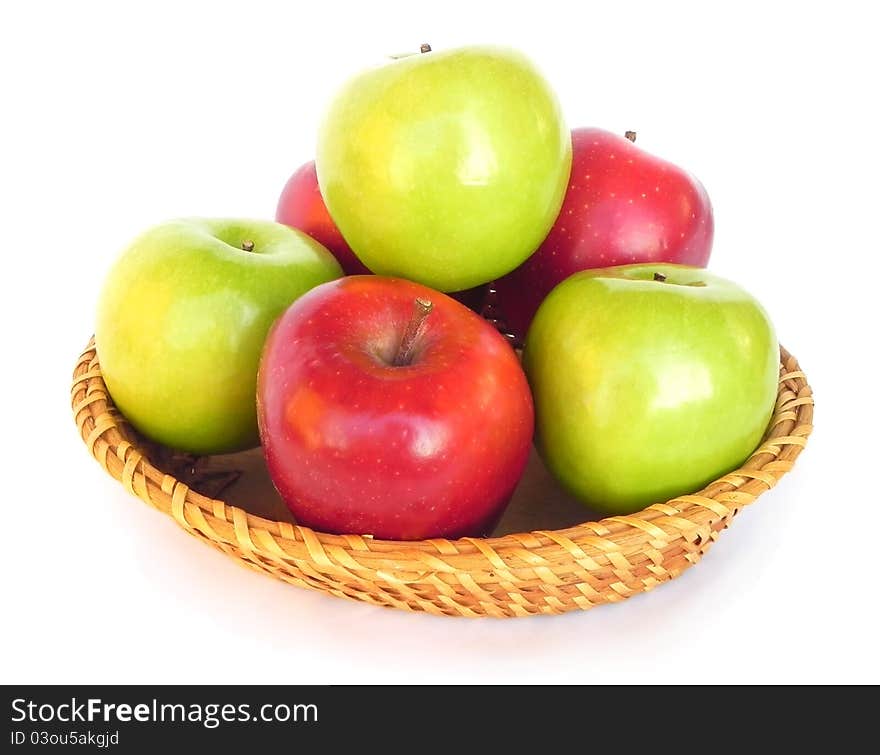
423	48
247	245
631	135
659	277
421	309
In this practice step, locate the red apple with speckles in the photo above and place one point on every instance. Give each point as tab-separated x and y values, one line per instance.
389	409
622	206
301	206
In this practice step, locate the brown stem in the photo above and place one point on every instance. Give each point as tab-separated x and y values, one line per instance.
631	135
247	245
421	309
422	49
659	277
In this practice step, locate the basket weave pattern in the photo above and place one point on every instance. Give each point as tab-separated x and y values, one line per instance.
541	572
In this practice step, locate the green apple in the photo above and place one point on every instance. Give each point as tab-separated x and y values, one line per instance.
182	319
649	382
447	168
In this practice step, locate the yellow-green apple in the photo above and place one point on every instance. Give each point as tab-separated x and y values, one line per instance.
392	410
181	322
649	381
301	206
447	168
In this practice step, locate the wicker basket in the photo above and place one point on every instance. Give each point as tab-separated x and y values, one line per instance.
538	572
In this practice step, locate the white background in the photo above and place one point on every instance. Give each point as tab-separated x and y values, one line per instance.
112	119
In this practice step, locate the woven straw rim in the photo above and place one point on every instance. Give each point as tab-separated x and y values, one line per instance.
543	571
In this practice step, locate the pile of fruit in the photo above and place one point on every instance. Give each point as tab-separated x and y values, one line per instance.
357	338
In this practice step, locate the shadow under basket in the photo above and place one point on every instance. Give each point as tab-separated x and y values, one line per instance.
550	562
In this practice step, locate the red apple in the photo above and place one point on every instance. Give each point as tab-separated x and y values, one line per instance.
389	409
301	206
622	206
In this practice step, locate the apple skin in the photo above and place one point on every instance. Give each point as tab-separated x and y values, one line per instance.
357	445
622	206
645	390
301	206
447	168
182	318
